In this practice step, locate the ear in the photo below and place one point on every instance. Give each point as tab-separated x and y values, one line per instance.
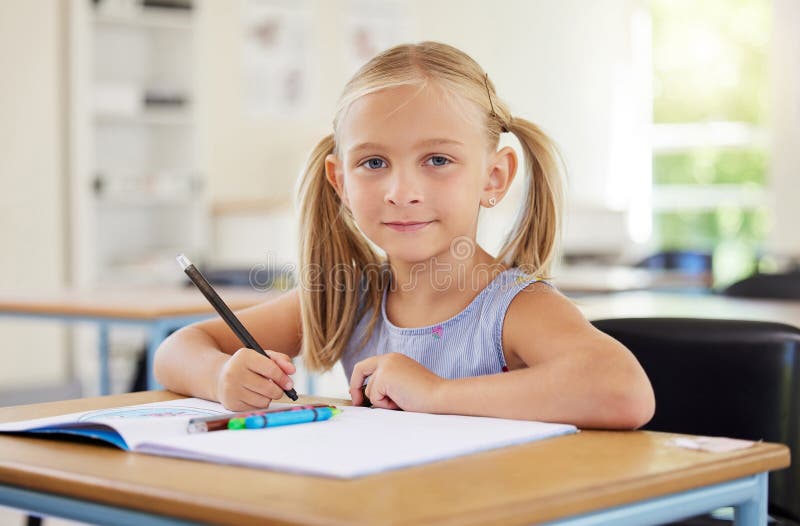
335	176
502	169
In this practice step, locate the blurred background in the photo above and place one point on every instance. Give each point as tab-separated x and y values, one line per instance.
131	130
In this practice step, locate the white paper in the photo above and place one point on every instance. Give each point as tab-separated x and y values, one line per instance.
359	441
711	444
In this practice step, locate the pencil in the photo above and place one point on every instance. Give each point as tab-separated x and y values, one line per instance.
218	422
224	311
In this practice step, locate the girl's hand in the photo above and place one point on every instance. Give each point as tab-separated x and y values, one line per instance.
251	381
395	382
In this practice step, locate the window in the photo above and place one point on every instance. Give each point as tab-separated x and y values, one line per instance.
710	111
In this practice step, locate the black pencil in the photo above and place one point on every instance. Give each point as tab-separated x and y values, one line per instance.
222	309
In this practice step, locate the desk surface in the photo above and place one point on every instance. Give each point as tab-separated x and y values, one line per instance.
646	304
539	481
143	303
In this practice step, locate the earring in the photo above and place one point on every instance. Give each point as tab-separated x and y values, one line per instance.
492	201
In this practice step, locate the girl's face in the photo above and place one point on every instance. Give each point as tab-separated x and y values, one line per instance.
413	170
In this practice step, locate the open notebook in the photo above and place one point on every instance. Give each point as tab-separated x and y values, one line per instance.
358	442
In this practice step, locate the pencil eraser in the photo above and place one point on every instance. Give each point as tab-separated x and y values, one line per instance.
183	261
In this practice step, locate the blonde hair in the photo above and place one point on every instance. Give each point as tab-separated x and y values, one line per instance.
341	275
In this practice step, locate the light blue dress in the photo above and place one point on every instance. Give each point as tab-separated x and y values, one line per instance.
468	344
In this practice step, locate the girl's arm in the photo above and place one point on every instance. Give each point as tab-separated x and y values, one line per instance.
566	371
574	373
207	360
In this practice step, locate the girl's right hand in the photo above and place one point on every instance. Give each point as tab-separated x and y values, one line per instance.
249	381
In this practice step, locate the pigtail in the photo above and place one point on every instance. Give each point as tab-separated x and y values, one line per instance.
532	241
339	276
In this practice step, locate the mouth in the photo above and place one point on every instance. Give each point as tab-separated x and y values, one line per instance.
407	226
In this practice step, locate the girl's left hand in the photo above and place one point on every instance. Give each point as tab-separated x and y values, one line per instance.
395	382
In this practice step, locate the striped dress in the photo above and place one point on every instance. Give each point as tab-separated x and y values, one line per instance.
468	344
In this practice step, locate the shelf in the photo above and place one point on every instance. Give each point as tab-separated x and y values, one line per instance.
148	118
147	18
251	206
143	274
145	201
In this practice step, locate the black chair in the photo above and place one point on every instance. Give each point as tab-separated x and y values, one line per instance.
767	286
727	378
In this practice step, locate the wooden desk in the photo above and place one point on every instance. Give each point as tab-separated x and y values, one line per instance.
160	310
598	477
644	304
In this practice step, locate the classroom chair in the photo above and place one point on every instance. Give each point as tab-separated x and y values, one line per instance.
784	286
726	378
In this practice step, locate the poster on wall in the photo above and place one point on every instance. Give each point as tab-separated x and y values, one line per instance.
372	27
276	58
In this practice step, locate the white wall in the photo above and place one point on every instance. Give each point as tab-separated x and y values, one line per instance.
32	198
247	157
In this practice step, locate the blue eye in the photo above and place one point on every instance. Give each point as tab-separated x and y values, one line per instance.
438	160
374	163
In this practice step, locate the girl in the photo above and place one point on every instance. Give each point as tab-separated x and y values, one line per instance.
437	324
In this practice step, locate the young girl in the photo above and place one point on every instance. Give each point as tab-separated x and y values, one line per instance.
437	324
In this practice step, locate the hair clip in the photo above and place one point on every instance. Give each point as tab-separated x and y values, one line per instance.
503	127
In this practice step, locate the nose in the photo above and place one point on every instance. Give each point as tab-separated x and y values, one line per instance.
404	190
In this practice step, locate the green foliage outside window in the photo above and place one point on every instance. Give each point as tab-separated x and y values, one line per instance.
711	166
699	230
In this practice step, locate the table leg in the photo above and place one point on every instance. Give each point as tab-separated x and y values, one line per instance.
103	349
75	509
748	495
754	511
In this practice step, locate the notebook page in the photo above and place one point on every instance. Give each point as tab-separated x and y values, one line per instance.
358	442
133	423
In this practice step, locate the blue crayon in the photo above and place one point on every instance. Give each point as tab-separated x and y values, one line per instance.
319	414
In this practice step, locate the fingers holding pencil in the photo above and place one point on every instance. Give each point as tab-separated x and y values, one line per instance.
225	312
250	380
283	360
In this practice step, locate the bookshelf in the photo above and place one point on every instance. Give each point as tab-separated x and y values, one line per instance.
136	183
137	188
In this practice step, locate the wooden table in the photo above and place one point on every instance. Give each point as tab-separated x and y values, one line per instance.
160	310
646	304
590	478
